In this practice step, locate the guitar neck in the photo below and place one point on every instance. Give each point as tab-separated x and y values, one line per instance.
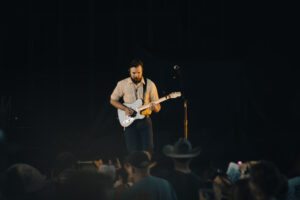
154	102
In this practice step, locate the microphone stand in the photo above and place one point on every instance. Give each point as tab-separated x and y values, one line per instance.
185	100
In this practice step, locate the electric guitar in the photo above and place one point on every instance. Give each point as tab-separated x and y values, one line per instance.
127	120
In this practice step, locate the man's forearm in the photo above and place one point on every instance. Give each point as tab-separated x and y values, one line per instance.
157	108
117	104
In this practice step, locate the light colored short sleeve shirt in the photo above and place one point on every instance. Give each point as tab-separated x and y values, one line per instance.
130	92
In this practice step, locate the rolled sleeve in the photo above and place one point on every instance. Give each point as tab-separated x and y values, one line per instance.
117	93
153	93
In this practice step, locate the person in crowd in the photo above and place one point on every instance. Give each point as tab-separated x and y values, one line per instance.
87	185
241	191
145	186
65	166
206	192
185	182
293	188
24	182
222	186
265	181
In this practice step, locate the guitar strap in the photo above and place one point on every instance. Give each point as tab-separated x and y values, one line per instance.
144	89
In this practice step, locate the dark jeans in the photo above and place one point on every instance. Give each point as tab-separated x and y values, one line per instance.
139	135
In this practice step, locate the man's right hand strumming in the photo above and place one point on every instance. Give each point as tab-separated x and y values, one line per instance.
118	105
129	111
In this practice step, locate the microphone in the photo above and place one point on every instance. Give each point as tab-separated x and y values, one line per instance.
176	68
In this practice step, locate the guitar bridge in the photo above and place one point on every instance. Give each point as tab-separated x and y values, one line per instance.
129	120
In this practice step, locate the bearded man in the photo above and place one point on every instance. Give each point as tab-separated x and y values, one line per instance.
139	135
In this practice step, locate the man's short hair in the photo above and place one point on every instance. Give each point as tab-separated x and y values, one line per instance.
139	159
135	62
266	176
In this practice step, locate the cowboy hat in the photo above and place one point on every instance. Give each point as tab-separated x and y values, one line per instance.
181	149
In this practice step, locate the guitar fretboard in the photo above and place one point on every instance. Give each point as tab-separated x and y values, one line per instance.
154	102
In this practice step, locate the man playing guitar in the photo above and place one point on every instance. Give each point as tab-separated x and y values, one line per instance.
139	135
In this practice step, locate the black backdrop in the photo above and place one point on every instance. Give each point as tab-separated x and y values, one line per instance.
60	61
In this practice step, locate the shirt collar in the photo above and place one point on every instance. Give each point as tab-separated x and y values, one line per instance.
130	81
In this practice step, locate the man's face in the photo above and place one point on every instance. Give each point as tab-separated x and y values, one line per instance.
136	74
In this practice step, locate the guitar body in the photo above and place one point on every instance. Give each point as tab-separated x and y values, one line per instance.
126	120
138	106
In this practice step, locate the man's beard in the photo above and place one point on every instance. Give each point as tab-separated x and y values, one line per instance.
136	80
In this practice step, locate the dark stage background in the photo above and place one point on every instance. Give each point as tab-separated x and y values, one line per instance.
60	60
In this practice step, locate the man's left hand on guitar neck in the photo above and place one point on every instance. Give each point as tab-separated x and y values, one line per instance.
153	107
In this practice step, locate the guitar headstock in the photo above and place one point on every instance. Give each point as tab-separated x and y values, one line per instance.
174	95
